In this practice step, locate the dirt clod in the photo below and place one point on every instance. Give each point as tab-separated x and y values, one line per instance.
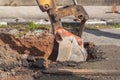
39	63
38	74
25	63
94	52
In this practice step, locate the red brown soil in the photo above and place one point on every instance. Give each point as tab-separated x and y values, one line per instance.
32	45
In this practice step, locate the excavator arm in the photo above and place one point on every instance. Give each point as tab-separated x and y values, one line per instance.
70	45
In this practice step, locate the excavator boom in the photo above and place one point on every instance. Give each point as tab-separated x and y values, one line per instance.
70	45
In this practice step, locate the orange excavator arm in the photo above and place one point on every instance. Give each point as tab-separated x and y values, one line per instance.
70	45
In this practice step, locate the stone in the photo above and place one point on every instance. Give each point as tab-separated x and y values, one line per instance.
30	58
25	63
24	56
38	64
37	75
13	72
3	75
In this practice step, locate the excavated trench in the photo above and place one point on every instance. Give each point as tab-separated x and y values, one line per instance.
30	52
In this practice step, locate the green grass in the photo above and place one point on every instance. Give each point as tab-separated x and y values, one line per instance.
33	26
117	25
77	25
27	27
98	26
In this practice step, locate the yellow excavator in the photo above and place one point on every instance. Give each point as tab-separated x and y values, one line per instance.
71	46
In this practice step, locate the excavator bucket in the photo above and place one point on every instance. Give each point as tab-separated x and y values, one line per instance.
65	48
69	50
70	46
78	53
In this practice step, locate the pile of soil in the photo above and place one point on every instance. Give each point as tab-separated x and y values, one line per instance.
31	45
26	53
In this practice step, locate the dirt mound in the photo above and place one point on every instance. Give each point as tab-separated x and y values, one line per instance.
29	51
31	45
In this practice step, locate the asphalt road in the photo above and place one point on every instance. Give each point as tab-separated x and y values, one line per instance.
33	12
103	36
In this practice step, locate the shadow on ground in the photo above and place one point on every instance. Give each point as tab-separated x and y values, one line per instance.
98	32
62	77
